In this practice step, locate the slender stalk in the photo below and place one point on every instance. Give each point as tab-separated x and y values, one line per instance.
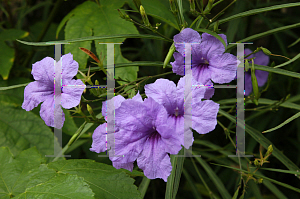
211	20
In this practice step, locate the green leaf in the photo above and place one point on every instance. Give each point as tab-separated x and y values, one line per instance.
277	70
264	142
12	87
6	59
283	171
263	34
104	180
213	34
283	123
21	130
27	177
256	11
216	180
61	186
264	177
12	34
288	62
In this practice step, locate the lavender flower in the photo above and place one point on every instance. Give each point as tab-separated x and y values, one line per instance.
209	62
100	140
42	90
144	135
261	76
204	113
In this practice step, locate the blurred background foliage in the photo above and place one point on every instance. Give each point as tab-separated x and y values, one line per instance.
37	21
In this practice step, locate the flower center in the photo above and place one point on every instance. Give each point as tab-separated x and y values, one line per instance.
176	111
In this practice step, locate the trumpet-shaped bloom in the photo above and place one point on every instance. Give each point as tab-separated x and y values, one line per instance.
42	89
209	62
144	135
261	76
204	113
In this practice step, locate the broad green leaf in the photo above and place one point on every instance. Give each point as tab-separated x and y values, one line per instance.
256	11
15	172
263	34
12	34
6	59
104	180
27	177
60	187
20	130
92	19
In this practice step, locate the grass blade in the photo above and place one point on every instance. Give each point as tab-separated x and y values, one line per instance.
283	123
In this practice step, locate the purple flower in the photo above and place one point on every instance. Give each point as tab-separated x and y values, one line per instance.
261	76
42	90
204	113
100	140
209	62
144	135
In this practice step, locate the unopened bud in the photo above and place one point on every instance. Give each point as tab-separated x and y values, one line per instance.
270	150
256	163
266	51
144	16
246	65
260	180
90	110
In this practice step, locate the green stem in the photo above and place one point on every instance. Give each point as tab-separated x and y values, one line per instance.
144	186
211	20
169	55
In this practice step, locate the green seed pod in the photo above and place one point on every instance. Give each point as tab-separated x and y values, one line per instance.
254	83
270	150
266	51
246	65
144	16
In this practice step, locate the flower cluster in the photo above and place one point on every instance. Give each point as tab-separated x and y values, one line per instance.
149	130
43	88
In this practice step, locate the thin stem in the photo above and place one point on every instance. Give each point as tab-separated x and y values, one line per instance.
211	20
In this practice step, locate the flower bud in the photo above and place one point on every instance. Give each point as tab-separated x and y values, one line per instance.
266	51
144	16
260	180
216	26
246	65
90	110
269	151
256	163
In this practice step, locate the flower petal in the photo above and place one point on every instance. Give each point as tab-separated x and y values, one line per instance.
69	66
114	102
211	46
35	93
44	70
202	74
223	68
138	97
178	64
204	116
99	139
47	113
164	92
154	161
261	76
187	35
71	96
